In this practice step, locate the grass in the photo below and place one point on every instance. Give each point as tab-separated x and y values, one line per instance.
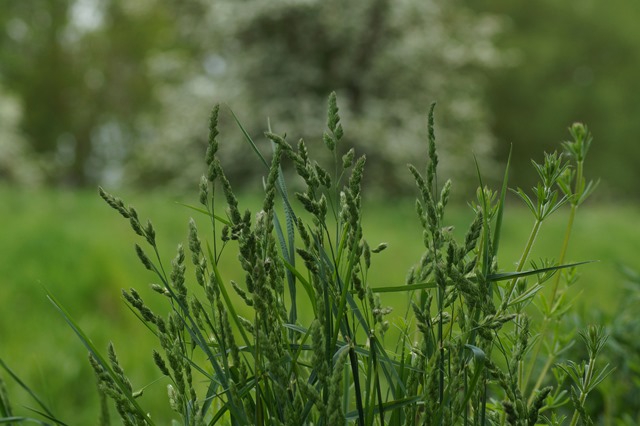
51	240
323	365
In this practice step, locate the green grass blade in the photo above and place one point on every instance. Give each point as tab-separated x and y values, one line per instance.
205	212
249	139
479	356
527	295
46	416
486	256
142	320
197	337
500	213
96	354
290	219
512	275
387	406
225	296
31	393
389	368
402	288
289	257
16	419
305	283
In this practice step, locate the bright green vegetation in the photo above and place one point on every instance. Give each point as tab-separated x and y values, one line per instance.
51	239
339	353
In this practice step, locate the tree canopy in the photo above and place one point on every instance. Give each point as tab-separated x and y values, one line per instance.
117	91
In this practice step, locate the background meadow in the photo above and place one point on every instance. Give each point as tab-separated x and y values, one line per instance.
73	245
117	93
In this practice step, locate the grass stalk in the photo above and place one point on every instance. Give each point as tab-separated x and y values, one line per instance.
523	259
287	371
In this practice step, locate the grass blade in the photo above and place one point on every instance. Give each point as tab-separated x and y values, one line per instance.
203	211
512	275
401	288
248	138
500	213
96	354
31	393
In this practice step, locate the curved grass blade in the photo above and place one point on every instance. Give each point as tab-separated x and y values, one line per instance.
400	288
203	211
249	139
479	356
96	354
511	275
47	412
387	406
500	213
486	256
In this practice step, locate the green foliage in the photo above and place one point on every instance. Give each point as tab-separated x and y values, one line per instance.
616	398
16	166
81	79
128	83
459	355
571	60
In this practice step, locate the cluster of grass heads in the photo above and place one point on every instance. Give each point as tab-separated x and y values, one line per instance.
318	346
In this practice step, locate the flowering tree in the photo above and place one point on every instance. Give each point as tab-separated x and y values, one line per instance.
386	60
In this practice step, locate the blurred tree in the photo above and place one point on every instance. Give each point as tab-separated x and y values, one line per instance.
572	61
16	165
280	59
93	77
79	71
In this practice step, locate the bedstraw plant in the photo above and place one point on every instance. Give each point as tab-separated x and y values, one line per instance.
319	345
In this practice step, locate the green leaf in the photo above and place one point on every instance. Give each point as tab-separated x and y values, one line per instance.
503	194
524	197
402	288
479	357
511	275
96	354
249	139
387	406
203	211
527	295
47	412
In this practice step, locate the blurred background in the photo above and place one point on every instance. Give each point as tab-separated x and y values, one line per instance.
117	93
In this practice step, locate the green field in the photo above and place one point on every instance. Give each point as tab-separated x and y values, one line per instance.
73	245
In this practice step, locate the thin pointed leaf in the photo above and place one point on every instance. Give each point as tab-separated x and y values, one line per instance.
387	406
485	225
479	356
402	288
591	186
524	197
96	354
225	295
16	419
203	211
499	215
602	374
511	275
527	295
31	393
305	283
249	139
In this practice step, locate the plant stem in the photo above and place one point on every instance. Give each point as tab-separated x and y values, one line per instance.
588	375
577	192
541	376
547	319
523	259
